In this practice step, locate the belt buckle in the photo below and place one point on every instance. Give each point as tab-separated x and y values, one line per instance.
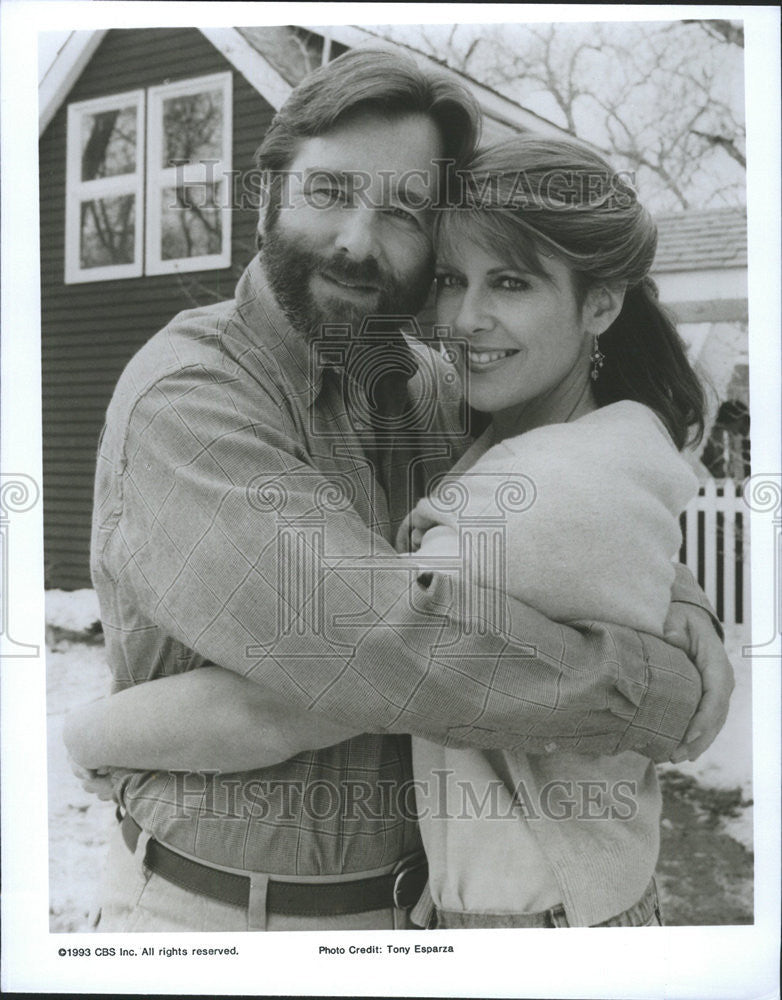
410	881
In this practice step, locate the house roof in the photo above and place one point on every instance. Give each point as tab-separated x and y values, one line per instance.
55	85
293	54
699	240
502	116
80	46
248	50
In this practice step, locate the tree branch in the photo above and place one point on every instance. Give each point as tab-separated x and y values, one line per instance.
724	142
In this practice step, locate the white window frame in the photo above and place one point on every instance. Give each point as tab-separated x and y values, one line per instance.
159	177
78	191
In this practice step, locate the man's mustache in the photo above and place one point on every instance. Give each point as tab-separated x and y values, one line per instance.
359	272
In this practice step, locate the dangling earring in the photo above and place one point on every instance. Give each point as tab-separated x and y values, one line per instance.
597	358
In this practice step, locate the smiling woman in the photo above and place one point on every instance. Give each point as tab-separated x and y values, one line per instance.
547	251
527	338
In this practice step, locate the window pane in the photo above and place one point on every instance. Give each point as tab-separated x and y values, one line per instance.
108	231
191	224
193	128
108	143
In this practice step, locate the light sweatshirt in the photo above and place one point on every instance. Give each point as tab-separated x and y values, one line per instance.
581	521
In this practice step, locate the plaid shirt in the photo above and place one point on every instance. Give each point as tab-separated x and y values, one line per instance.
244	517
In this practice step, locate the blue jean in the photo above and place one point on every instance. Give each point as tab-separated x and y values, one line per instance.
645	913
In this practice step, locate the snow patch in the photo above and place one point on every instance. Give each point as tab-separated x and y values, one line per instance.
74	610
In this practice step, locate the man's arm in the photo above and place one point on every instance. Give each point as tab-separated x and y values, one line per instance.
212	719
201	543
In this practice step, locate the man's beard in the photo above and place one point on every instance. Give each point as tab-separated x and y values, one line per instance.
290	264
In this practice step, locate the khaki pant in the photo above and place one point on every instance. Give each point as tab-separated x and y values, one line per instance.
135	899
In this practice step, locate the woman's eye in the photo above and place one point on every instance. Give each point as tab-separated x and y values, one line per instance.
400	213
512	284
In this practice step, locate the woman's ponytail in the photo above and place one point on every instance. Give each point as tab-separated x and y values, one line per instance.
645	360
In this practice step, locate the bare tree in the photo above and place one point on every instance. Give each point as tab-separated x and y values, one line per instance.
726	31
664	100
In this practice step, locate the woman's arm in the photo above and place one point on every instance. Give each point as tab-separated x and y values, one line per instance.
205	719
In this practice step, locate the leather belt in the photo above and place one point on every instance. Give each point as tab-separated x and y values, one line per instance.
400	888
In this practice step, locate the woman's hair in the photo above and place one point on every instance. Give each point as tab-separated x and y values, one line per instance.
532	197
381	82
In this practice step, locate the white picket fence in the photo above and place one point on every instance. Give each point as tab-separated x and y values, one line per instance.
715	547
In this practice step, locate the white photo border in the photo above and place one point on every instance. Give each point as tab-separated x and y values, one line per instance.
698	962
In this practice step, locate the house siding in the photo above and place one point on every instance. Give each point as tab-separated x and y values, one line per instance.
90	331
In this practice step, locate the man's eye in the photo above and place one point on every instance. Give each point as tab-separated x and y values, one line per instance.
324	195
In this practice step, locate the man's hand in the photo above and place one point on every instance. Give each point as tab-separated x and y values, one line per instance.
96	781
692	630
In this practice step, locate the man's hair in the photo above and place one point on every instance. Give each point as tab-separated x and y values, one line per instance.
376	81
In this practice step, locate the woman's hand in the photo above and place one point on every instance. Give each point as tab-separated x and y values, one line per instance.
691	629
96	781
415	525
84	735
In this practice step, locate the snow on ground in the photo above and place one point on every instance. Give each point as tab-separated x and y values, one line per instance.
73	611
76	672
79	823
